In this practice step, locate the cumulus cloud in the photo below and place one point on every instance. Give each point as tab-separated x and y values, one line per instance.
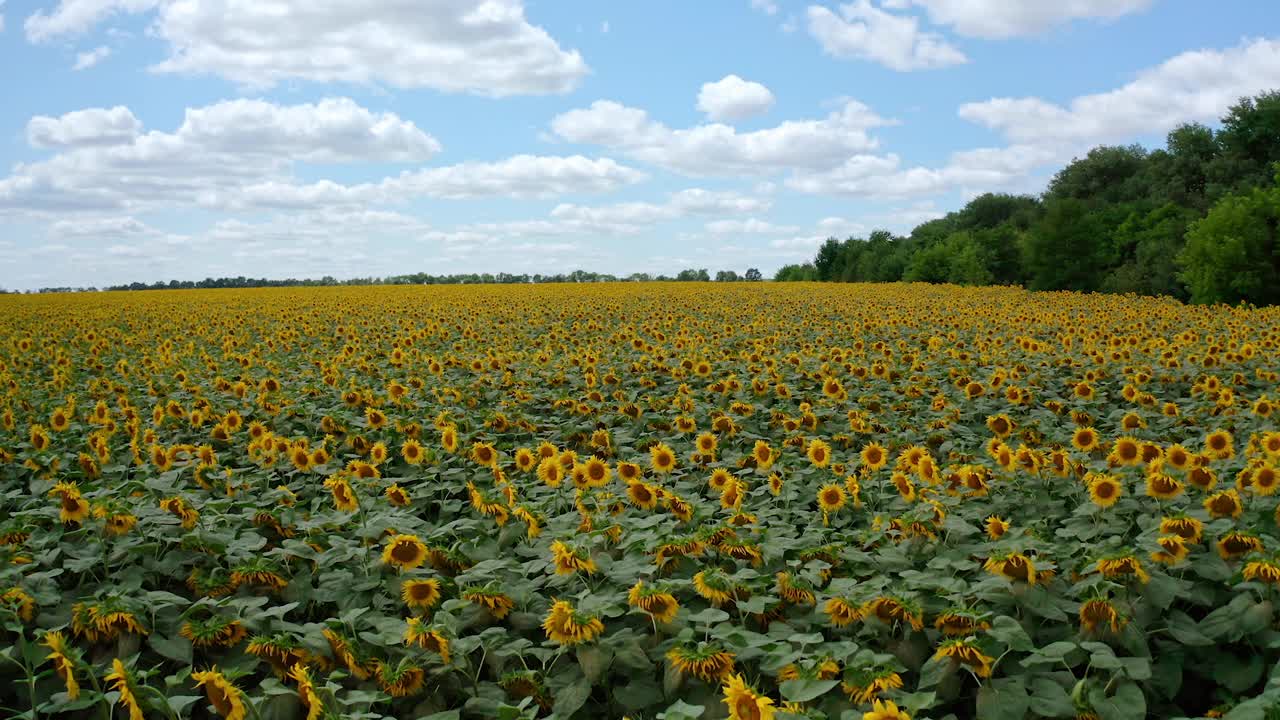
1011	18
84	128
1193	86
732	98
240	154
718	149
487	47
863	31
86	60
750	226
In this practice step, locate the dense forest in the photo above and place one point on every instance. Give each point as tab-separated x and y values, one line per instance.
1196	220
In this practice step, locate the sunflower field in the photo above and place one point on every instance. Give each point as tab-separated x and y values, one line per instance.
653	501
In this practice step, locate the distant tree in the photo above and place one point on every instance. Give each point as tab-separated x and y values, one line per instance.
753	275
1233	253
829	263
1250	141
794	273
691	275
727	276
1066	248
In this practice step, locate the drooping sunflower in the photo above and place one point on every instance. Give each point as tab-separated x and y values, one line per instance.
569	560
959	622
72	507
1099	613
705	661
885	710
996	527
227	699
496	603
344	498
122	682
1120	567
307	691
1016	567
566	626
1262	571
967	653
868	684
1173	550
892	610
427	638
1237	544
1224	504
656	601
642	495
714	586
841	611
404	552
64	662
1189	528
397	495
744	702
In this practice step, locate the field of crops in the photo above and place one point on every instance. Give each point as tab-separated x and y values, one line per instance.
645	500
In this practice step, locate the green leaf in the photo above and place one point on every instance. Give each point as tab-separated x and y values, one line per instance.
177	648
1128	703
680	710
572	697
804	690
1186	631
1004	699
1049	699
595	661
1011	633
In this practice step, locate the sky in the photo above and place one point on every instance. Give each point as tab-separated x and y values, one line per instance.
145	140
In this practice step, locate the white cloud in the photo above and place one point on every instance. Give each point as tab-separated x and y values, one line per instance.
240	154
732	98
840	227
84	128
883	177
486	47
863	31
718	149
1193	86
1010	18
750	226
634	216
86	60
768	7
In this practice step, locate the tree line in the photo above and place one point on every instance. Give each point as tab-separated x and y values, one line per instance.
577	276
1197	220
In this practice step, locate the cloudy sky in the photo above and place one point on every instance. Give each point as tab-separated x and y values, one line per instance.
159	139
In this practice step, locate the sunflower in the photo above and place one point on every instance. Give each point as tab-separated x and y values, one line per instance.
1224	504
706	662
497	604
307	691
841	612
343	650
885	710
429	639
412	452
565	626
1162	487
64	662
966	652
1189	528
867	685
1014	567
706	444
223	695
122	683
1237	544
874	456
1085	439
397	495
1219	445
484	454
72	507
762	454
714	587
743	701
404	552
1262	571
449	439
1202	477
819	453
551	472
662	458
596	472
375	418
1173	550
420	594
775	483
996	527
1099	613
960	622
892	610
659	604
344	499
569	560
1266	480
1125	451
831	498
906	488
794	590
1122	566
213	632
1105	490
1000	425
642	495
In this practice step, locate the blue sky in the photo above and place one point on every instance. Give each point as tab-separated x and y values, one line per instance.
160	139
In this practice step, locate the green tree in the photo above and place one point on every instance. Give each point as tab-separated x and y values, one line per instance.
1066	249
1232	254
